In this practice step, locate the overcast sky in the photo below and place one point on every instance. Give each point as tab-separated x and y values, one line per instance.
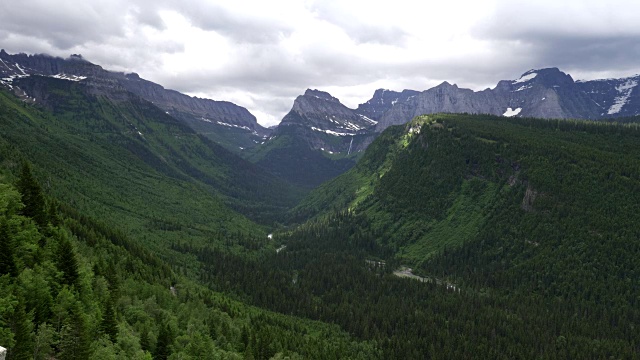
262	54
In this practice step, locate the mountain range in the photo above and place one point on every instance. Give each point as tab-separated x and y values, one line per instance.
322	136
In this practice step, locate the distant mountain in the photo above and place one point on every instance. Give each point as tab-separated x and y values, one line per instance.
544	93
224	122
316	141
323	115
384	100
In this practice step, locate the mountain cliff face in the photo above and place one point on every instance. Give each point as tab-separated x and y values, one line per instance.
231	125
544	93
316	141
206	109
382	101
327	124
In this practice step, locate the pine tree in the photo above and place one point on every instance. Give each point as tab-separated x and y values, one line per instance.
74	339
32	197
66	261
164	342
7	262
109	325
21	326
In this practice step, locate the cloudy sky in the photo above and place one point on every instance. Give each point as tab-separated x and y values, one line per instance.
262	54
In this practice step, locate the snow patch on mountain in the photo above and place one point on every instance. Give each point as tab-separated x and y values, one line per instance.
330	132
510	112
625	92
367	119
524	87
69	77
525	78
352	126
5	64
233	125
21	69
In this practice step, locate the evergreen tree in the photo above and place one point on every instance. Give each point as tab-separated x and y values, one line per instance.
66	261
109	324
23	348
165	339
7	262
43	343
74	339
32	197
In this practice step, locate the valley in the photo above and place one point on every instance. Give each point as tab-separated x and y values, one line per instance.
132	228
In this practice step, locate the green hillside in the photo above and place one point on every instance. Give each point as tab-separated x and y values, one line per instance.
127	160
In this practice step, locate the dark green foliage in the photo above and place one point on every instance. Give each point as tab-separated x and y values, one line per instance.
74	341
109	323
32	198
132	304
66	261
163	346
21	326
7	262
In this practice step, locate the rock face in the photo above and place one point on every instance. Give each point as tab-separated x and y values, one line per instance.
382	101
316	141
75	68
326	124
174	101
544	93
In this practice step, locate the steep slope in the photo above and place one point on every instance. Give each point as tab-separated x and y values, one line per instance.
118	159
319	114
443	170
316	141
226	123
544	93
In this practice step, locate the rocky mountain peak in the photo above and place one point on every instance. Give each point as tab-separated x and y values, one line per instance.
132	76
548	77
446	85
317	102
320	95
76	57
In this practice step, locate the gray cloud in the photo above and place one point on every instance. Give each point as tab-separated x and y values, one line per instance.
585	36
360	32
63	24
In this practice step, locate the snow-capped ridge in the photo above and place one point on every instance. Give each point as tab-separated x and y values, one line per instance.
528	76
